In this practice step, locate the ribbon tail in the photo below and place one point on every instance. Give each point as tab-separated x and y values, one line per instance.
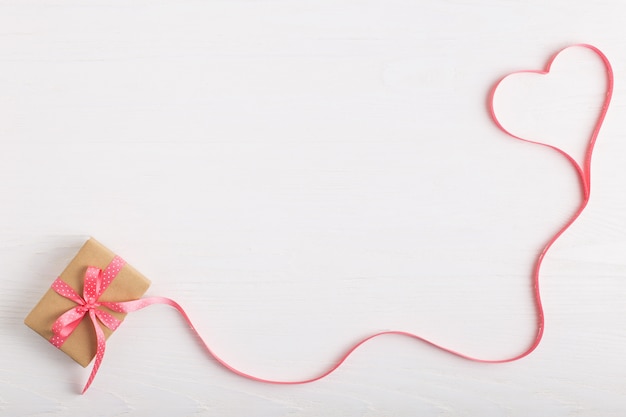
64	290
101	346
134	305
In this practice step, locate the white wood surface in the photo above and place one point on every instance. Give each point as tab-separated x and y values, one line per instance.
299	175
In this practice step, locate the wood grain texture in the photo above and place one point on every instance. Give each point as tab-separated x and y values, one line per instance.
299	175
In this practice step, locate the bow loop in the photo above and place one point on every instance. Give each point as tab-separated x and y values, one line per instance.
65	325
92	283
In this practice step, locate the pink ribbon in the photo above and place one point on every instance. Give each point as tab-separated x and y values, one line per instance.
96	280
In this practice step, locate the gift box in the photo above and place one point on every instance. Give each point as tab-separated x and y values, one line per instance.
128	284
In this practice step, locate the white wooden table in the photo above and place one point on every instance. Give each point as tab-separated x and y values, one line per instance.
299	175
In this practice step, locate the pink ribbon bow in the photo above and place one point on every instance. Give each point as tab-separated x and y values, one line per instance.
95	283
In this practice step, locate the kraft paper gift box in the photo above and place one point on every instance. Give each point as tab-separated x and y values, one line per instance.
81	344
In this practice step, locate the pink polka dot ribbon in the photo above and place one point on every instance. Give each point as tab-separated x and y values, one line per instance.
96	281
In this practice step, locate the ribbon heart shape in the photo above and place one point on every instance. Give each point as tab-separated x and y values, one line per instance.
583	168
96	281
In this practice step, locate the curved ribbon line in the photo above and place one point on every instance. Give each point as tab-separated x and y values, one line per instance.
68	321
584	174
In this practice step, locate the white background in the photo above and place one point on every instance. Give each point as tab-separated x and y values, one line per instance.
300	174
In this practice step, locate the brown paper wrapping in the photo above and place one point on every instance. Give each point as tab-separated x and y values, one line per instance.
81	344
